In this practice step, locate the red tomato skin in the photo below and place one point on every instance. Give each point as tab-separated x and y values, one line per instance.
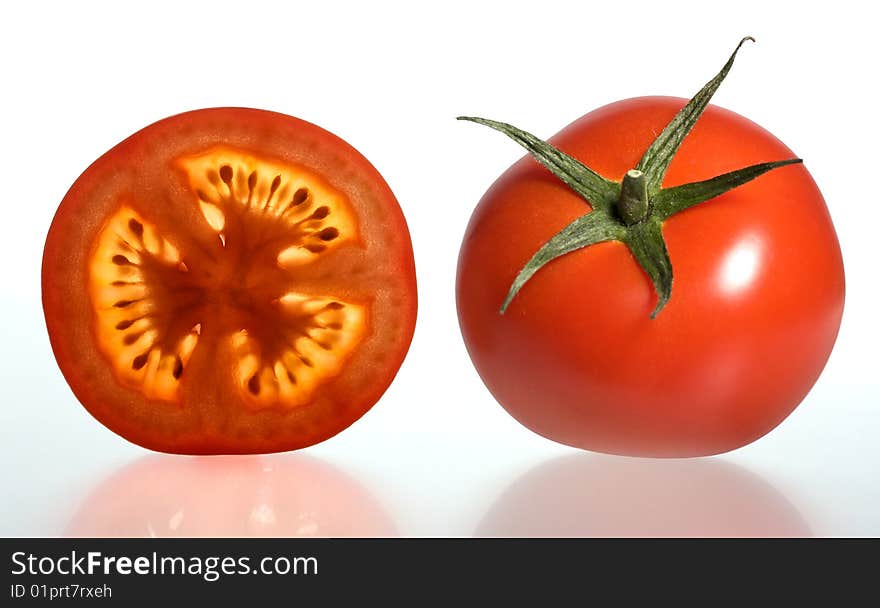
756	303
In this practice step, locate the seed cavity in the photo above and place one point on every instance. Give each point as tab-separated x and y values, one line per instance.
320	213
250	198
177	372
328	234
253	385
300	196
139	361
136	227
309	346
276	182
130	339
131	267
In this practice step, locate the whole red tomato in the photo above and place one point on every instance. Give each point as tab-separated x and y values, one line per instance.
229	280
577	357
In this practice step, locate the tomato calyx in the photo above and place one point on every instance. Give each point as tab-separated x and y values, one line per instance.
631	211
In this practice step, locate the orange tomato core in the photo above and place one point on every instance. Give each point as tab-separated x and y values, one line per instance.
151	302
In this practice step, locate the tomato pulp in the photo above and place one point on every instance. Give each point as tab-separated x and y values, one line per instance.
754	313
229	280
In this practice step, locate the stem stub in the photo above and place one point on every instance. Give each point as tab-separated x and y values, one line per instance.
633	202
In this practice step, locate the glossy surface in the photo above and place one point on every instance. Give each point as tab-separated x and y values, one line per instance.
256	496
590	495
756	302
229	281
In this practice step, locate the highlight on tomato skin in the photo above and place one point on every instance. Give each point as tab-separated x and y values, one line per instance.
664	281
229	280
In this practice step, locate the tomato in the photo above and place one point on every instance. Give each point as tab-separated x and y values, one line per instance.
757	300
229	280
253	496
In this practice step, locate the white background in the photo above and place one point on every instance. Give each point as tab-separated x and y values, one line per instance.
436	455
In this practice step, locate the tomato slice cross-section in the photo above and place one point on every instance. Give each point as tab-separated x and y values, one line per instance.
229	281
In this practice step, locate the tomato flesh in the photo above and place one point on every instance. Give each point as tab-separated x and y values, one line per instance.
756	302
244	281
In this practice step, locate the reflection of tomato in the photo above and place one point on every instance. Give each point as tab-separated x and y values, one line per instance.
597	495
755	309
282	495
229	281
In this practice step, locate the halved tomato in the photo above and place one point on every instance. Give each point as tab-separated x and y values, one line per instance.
229	280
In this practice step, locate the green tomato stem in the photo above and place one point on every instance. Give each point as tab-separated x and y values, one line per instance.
633	202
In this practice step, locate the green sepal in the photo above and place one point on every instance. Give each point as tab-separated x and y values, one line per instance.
670	201
659	154
632	212
594	227
595	189
645	240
